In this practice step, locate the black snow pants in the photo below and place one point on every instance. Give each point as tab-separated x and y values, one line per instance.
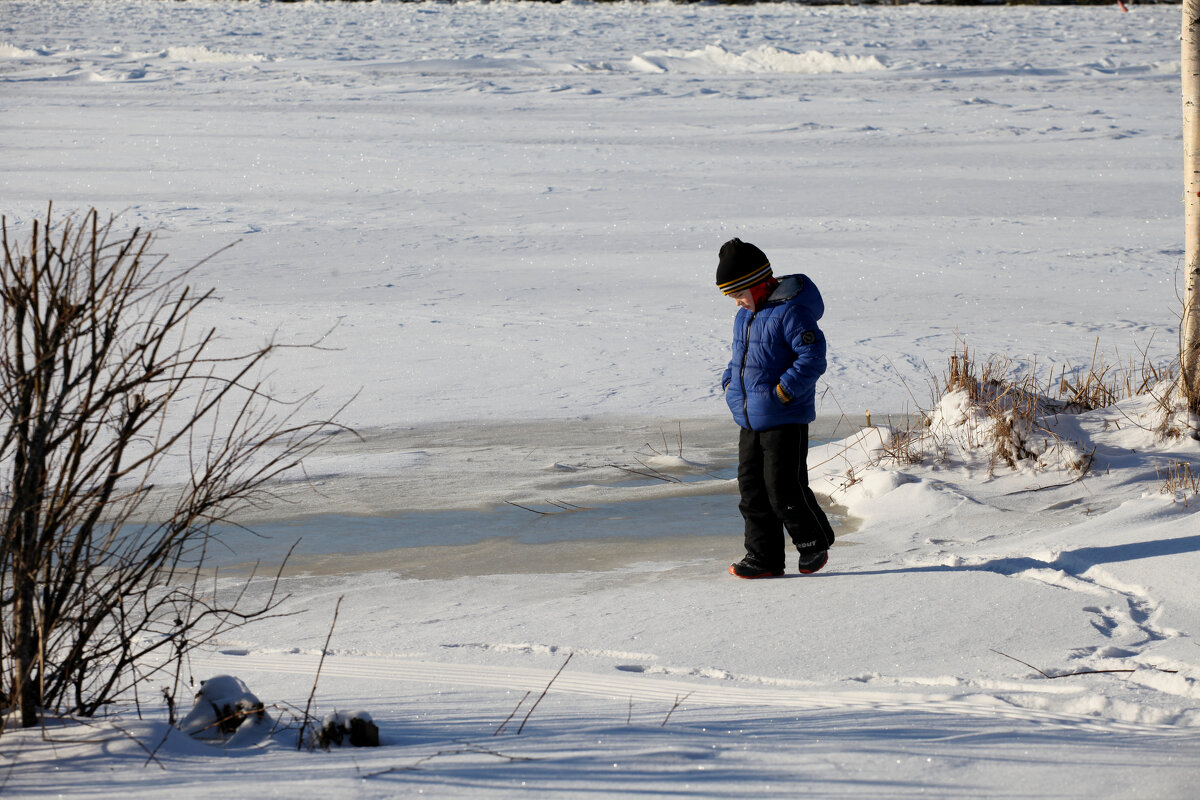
773	480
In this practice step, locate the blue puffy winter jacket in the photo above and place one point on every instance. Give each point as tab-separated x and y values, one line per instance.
779	345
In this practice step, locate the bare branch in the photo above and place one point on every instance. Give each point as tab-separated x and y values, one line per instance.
529	713
1076	673
102	383
324	652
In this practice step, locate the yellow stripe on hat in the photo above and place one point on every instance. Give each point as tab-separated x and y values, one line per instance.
746	281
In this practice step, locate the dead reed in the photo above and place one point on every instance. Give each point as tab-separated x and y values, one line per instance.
1009	408
1179	479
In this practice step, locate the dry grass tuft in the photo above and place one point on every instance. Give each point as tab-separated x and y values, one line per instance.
1009	406
1009	410
1103	385
907	447
1179	480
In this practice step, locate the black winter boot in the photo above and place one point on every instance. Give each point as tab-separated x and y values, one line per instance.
751	567
812	562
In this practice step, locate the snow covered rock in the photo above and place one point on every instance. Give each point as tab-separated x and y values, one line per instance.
226	709
356	729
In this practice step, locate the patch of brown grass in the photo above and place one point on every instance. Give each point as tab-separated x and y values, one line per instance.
1016	401
1179	479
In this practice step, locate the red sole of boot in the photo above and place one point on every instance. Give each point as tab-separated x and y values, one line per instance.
755	577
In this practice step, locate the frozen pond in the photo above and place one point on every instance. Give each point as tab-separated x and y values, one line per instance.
523	495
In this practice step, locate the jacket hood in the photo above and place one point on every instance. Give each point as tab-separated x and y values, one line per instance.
798	288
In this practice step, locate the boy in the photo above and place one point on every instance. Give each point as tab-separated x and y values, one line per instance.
770	386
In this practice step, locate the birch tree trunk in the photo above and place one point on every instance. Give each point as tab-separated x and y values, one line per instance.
1189	331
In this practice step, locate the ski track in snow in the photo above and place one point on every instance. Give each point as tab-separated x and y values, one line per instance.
625	686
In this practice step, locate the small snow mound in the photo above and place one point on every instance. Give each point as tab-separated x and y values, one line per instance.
1114	652
877	483
226	709
953	410
761	59
669	463
201	54
1167	682
1006	431
8	50
640	64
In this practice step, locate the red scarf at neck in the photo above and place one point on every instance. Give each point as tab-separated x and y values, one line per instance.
761	291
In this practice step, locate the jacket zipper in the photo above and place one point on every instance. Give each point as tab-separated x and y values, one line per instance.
742	371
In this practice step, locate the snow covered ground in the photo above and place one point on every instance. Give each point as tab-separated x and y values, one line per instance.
501	220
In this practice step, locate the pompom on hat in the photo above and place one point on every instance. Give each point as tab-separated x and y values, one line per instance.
741	266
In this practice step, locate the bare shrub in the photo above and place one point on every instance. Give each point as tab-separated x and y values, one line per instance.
101	383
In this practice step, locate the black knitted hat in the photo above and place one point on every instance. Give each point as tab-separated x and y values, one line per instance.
741	266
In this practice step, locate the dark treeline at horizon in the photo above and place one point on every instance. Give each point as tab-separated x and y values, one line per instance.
788	2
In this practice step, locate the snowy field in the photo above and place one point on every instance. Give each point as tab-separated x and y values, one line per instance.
501	222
